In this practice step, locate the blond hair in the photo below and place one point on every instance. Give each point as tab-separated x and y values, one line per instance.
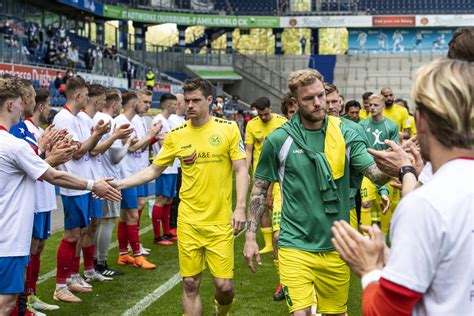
378	97
9	90
443	92
304	77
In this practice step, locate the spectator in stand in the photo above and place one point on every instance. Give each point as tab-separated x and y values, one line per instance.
58	81
107	52
113	52
98	55
66	43
62	33
73	58
50	33
89	59
51	57
69	74
150	80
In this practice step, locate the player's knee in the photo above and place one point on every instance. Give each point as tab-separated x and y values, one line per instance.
367	204
191	285
7	305
225	287
41	244
141	203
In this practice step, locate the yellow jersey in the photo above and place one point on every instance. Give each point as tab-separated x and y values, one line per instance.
256	132
206	153
399	115
363	114
412	126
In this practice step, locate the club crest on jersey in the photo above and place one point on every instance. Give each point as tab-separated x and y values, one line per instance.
190	159
215	140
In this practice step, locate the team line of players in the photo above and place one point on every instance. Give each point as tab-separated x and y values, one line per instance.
110	138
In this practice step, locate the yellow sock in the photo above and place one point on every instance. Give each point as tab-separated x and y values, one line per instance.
365	217
277	265
222	310
268	238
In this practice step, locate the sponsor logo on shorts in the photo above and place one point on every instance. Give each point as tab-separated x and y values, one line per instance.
287	296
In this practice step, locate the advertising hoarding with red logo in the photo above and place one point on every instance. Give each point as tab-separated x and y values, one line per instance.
43	75
393	21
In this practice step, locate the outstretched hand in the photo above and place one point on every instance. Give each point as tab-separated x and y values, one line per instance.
361	254
105	190
391	160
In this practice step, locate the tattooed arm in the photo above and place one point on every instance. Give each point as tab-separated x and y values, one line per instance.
257	207
376	175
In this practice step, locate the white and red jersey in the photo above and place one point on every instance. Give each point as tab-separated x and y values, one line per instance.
95	161
141	127
109	169
128	165
432	234
80	132
20	167
45	193
156	146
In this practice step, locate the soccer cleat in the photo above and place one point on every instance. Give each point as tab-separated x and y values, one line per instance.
141	262
30	311
279	294
97	277
104	269
144	251
162	241
170	237
39	305
125	259
64	295
79	285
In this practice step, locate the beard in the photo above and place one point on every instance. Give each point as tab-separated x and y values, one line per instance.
388	103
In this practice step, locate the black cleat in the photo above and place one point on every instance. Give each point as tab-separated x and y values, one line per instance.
104	269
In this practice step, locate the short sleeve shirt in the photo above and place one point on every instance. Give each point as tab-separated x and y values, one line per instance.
206	154
399	115
20	167
256	132
305	225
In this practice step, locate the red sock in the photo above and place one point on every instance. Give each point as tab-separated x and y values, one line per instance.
122	237
36	270
75	265
29	277
139	215
166	219
156	216
134	238
14	311
88	253
65	256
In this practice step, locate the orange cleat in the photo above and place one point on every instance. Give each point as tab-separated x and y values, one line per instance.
141	262
125	259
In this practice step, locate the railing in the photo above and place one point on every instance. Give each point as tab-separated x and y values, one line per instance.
261	73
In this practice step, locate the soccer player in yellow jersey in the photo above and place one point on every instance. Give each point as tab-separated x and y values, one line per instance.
402	102
256	131
365	111
208	148
396	113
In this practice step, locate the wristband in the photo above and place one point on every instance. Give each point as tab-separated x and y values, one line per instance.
90	185
372	276
404	170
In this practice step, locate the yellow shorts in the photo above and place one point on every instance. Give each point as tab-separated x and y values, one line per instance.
369	193
276	213
201	244
304	273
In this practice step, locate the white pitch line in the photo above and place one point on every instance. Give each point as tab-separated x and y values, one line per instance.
153	296
145	302
52	273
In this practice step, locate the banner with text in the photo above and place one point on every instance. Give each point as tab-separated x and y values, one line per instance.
157	17
43	75
109	82
398	40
